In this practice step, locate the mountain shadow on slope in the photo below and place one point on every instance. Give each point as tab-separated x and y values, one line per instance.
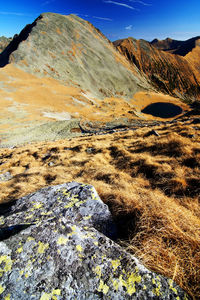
17	39
181	48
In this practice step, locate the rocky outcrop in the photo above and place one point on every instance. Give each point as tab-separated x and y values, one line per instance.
71	49
58	244
170	73
4	41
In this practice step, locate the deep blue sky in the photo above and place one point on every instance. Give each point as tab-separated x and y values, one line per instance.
147	19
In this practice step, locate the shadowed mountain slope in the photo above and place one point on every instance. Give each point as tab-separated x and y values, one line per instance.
72	50
176	47
170	73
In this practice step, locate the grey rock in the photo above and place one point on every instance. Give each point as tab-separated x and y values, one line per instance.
90	150
5	176
58	243
152	132
196	121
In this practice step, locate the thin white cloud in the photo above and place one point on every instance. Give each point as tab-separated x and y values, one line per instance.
13	14
102	18
82	15
47	2
94	17
120	4
140	2
129	27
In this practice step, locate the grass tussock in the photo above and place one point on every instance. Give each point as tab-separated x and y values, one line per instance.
151	185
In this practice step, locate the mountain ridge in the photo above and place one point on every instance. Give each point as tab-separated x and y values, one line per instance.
71	49
168	72
181	48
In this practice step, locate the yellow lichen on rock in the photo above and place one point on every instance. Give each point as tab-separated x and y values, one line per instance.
103	287
74	201
1	220
97	270
56	292
156	290
115	284
45	296
7	264
79	248
53	295
42	247
1	289
171	286
62	240
37	205
129	283
30	238
115	263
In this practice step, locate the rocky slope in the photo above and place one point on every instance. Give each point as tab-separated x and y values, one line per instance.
4	41
71	49
170	73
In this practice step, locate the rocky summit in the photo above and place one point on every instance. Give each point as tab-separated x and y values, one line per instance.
58	243
72	50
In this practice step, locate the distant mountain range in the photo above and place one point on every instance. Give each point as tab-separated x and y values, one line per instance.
172	66
177	47
71	49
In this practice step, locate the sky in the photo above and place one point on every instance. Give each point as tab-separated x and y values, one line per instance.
142	19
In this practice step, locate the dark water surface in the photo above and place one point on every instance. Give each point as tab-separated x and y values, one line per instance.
163	110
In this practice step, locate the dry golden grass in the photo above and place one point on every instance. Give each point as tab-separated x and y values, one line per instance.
151	185
27	100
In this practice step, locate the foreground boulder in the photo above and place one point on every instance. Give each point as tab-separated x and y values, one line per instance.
58	243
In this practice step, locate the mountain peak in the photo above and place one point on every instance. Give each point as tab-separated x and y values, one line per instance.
71	49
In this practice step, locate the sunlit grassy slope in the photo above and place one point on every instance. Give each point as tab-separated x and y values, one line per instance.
28	103
151	185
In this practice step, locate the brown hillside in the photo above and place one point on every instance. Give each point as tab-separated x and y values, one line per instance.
193	57
170	73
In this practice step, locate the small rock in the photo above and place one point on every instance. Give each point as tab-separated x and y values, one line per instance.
46	156
5	177
152	132
90	150
196	121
